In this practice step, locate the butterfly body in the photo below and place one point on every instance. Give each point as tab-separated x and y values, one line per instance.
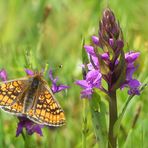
31	97
32	89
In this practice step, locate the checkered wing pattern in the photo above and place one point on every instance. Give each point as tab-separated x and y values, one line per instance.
46	109
11	94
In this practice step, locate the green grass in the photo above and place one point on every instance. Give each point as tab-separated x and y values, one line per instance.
56	41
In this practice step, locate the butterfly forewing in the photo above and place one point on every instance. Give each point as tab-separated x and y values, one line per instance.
46	109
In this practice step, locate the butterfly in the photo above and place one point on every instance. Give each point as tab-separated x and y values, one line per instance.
31	97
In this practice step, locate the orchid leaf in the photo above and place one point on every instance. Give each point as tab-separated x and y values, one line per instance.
97	108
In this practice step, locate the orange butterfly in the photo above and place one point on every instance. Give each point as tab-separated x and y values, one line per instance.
31	97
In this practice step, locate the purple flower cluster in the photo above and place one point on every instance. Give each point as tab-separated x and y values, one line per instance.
108	61
24	122
130	82
93	80
56	87
30	127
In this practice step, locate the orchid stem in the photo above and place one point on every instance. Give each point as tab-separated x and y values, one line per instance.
84	128
112	119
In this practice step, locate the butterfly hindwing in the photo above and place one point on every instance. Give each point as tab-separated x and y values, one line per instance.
46	109
16	108
11	91
11	95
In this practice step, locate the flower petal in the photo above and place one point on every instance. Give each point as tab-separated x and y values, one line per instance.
62	87
51	75
34	128
86	93
131	56
95	40
29	72
105	56
55	87
95	64
134	91
37	129
120	44
82	83
134	83
29	125
90	66
93	78
3	75
129	72
111	42
90	50
19	129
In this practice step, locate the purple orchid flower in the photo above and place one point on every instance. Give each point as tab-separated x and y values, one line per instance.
107	62
132	84
93	80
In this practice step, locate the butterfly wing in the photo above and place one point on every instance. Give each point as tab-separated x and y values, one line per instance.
46	109
11	95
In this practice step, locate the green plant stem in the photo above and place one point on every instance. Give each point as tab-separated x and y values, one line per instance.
23	135
112	143
2	135
84	128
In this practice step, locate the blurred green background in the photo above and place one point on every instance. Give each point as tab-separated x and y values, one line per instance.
50	32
